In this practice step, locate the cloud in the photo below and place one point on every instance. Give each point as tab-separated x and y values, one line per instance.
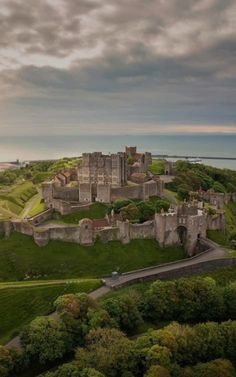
117	62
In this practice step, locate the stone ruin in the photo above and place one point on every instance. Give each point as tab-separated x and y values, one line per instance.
102	178
184	225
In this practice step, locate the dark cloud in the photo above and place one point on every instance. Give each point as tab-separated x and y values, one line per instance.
135	61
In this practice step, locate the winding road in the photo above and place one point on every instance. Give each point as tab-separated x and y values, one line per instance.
214	252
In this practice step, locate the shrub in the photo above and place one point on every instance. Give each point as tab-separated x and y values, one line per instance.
46	338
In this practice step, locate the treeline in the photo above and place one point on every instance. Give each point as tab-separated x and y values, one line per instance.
193	177
93	332
37	171
139	211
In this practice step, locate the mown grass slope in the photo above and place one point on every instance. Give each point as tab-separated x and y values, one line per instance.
20	304
14	200
96	211
20	257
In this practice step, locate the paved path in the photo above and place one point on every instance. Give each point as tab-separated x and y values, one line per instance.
214	252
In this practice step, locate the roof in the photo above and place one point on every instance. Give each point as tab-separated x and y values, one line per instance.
85	221
100	223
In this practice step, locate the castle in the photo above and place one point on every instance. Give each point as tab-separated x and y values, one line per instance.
105	178
102	178
185	225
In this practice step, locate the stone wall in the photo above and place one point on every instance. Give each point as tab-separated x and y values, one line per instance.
65	233
47	193
150	188
131	192
97	168
65	208
216	222
217	199
195	269
69	194
22	226
6	228
166	226
142	231
139	191
128	231
107	234
85	193
61	206
103	193
41	217
196	228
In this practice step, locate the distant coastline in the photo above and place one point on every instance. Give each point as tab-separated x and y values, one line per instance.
58	146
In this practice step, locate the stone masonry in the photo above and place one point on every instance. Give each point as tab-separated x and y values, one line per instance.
184	226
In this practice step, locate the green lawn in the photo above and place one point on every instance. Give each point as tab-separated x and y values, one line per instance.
15	200
96	211
218	236
157	167
20	304
37	207
20	257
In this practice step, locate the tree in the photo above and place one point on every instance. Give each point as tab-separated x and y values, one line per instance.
120	203
183	192
46	338
130	212
185	299
6	363
161	204
76	305
215	368
161	300
230	300
157	371
91	372
146	211
11	360
158	355
99	318
218	187
182	166
107	350
124	310
66	370
73	310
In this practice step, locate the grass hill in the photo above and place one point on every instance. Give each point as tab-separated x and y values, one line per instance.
20	258
14	200
20	303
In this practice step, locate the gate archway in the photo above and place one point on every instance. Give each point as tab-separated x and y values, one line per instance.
182	234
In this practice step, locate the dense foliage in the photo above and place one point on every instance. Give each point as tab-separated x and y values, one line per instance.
193	177
36	171
139	211
93	331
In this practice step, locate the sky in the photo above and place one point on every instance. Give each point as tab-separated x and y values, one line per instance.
73	67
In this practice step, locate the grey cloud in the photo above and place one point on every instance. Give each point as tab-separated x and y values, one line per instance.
168	28
160	61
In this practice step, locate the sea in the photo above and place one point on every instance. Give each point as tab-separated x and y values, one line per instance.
27	148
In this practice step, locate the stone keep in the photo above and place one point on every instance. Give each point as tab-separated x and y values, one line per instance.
99	169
